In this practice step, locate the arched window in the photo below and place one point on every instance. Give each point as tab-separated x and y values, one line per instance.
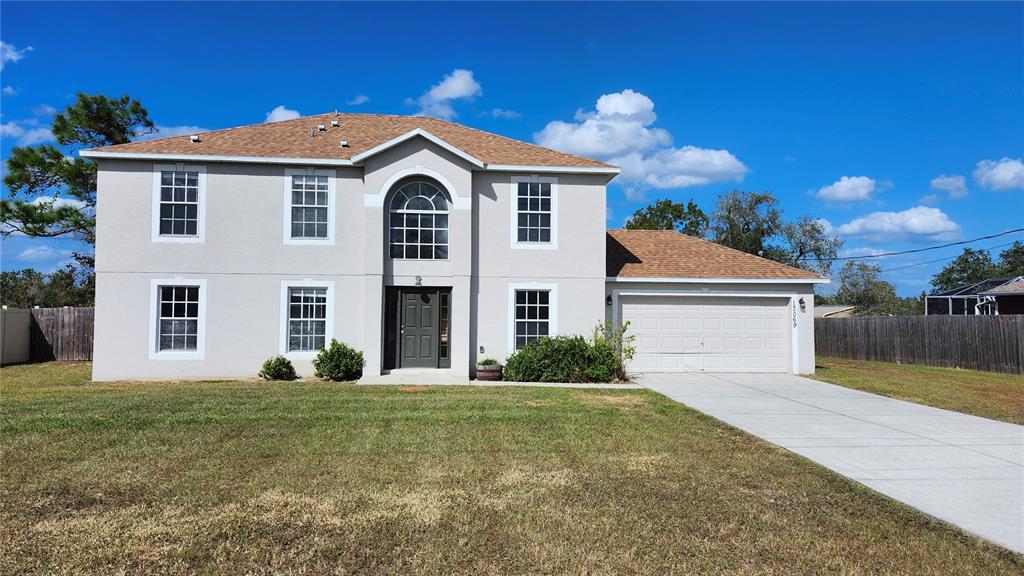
419	223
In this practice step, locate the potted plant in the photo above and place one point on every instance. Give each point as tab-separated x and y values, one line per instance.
488	369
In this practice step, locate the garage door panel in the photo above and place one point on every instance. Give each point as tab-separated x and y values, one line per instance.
708	334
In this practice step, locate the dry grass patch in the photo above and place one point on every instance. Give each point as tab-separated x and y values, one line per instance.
321	478
619	400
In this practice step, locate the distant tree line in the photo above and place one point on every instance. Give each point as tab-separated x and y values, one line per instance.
69	286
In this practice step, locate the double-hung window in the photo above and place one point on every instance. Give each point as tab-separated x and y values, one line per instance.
309	206
179	194
533	313
178	320
534	212
307	316
307	319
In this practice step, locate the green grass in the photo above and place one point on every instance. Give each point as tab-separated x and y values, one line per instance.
315	478
986	394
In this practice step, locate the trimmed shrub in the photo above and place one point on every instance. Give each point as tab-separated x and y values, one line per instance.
338	362
487	362
573	358
278	368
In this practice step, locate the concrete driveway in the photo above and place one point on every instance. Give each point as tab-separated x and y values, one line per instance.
962	469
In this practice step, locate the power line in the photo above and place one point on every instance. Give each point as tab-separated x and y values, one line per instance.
916	250
940	259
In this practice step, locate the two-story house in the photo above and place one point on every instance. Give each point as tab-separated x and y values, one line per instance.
420	242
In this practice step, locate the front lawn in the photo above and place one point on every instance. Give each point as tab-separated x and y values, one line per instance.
313	478
986	394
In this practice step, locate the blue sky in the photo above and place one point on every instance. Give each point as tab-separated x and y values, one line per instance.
902	125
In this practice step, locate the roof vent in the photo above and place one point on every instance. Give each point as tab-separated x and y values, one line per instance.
194	138
321	128
334	123
344	143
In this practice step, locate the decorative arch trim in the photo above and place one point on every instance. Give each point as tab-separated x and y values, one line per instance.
458	202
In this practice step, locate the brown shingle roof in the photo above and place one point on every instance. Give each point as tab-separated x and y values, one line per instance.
669	254
291	139
1014	287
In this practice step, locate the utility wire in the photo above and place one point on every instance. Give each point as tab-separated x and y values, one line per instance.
882	255
940	259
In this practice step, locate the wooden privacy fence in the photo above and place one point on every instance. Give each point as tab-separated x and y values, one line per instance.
992	343
61	334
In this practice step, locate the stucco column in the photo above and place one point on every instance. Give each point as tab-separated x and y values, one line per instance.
461	314
373	312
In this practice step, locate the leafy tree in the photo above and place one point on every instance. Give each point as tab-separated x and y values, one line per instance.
861	285
746	221
52	191
969	267
1011	260
64	287
668	215
752	222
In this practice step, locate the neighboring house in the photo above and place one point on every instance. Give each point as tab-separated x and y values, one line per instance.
422	243
834	311
1004	295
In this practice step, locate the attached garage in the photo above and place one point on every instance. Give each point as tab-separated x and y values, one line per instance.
695	306
708	334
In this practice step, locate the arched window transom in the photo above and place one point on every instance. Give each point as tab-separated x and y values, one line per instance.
419	223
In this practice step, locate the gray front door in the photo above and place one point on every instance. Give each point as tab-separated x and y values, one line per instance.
418	330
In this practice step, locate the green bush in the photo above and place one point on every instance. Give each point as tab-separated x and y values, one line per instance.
573	358
338	362
487	362
278	368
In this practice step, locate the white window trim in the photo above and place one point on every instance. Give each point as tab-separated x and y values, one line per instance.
332	206
514	213
154	317
283	325
552	309
200	236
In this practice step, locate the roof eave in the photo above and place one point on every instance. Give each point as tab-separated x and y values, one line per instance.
676	280
98	154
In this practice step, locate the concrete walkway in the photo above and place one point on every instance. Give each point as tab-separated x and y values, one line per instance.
962	469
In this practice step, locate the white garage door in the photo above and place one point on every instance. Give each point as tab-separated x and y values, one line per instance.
708	334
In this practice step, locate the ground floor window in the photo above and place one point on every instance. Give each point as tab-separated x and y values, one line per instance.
307	319
532	316
179	318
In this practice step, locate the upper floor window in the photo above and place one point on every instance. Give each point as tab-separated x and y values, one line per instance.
534	212
179	194
309	206
419	223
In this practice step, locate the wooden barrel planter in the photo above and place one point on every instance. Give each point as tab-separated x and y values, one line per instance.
489	372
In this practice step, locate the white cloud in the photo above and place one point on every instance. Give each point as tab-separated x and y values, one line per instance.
919	222
169	131
8	53
862	251
58	201
507	114
459	85
619	131
929	199
42	253
44	110
1006	174
634	194
359	100
8	91
848	189
26	132
826	226
955	186
281	113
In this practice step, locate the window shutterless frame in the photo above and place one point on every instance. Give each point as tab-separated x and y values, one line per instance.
155	317
552	308
287	212
185	188
286	291
535	209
